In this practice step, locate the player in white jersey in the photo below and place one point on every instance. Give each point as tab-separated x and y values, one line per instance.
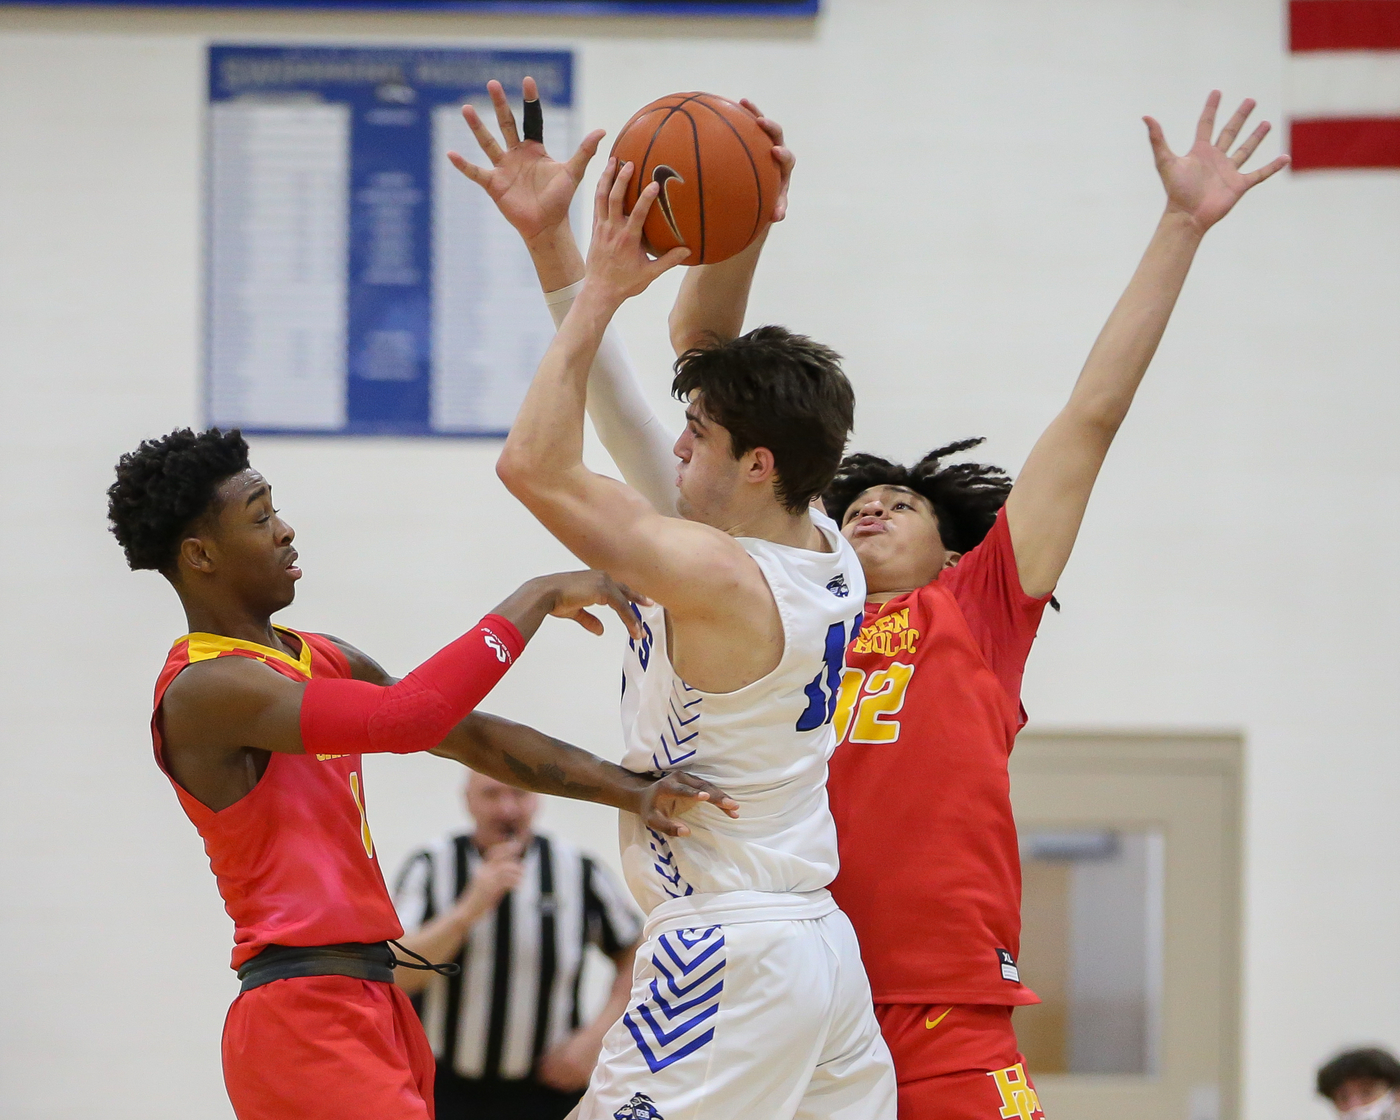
749	997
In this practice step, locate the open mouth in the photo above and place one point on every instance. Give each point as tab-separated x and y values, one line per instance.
292	569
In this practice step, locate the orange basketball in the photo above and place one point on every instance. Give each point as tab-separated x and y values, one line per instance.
718	178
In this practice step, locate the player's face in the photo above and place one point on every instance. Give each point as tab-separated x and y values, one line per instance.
251	546
708	476
895	533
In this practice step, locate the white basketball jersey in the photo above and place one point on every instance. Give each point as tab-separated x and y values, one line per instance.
766	744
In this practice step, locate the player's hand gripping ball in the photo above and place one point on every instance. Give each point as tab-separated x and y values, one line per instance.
716	171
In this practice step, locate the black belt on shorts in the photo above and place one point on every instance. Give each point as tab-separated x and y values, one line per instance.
374	961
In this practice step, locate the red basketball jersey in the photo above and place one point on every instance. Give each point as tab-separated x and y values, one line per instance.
294	858
929	709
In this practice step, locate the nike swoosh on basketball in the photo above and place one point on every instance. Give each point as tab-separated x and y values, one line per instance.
662	176
935	1023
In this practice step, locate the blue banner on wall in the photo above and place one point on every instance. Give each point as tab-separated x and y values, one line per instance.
358	284
771	8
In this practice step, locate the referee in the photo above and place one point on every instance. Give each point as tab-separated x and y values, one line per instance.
516	910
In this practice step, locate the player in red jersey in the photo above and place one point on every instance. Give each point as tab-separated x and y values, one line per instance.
260	730
960	564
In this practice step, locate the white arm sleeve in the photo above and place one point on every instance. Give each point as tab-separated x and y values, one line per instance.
633	434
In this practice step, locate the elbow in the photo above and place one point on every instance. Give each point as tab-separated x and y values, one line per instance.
514	470
1104	427
686	334
1100	419
682	338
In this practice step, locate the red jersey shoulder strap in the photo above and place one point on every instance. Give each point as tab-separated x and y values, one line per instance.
205	647
196	647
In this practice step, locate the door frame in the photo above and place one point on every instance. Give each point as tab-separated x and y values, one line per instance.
1063	752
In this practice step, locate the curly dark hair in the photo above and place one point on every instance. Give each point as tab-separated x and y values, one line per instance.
965	496
165	485
775	389
1369	1064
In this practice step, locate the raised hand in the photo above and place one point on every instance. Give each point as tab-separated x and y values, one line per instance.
676	793
532	190
1206	182
781	153
618	265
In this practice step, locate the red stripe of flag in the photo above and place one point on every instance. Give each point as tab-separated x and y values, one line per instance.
1345	142
1344	25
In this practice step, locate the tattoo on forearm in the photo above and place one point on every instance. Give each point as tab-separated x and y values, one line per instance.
549	777
518	768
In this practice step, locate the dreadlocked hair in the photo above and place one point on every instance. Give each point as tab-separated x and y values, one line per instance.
965	496
164	485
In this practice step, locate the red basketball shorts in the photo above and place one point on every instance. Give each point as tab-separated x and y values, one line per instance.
957	1063
327	1048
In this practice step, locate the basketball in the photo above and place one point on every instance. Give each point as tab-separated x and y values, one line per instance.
716	170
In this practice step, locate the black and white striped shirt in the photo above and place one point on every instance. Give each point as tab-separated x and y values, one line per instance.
518	992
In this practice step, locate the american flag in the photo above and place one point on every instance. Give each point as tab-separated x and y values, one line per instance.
1344	83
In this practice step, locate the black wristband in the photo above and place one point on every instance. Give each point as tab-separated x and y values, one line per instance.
534	121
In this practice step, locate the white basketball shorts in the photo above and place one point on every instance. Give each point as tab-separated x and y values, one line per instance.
746	1006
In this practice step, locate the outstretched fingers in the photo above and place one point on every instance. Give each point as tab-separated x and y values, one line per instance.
1205	127
1254	178
1245	150
478	175
578	163
489	147
1160	152
1234	124
505	119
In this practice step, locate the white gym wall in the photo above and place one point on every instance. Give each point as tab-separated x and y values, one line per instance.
974	188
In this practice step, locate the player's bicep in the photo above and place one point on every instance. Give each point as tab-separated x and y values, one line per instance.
232	703
609	526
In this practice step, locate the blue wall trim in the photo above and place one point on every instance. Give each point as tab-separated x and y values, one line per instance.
769	8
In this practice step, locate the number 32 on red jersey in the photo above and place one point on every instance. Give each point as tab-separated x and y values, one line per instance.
866	706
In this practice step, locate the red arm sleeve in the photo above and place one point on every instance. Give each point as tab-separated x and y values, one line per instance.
356	717
1003	619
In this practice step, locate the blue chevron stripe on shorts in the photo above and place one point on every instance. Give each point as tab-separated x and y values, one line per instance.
664	863
677	1019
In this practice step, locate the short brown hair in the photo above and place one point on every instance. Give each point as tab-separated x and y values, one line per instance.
775	389
1369	1064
